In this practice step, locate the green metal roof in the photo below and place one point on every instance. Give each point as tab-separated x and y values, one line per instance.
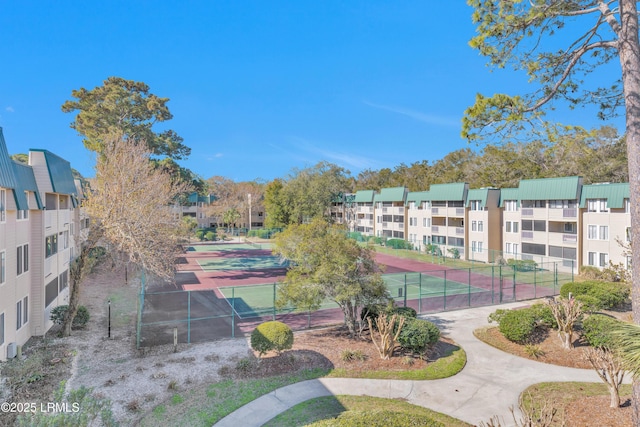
509	194
478	194
448	192
566	188
364	196
395	194
25	181
60	173
418	197
7	175
614	193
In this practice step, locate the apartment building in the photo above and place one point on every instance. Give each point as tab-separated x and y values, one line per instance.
364	215
606	225
39	218
419	215
343	210
510	208
484	217
448	215
389	205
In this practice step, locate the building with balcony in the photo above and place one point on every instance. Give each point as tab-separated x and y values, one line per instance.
343	210
448	213
419	218
40	230
364	215
606	225
484	217
549	220
390	213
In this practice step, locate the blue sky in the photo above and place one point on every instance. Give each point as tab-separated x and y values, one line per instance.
257	88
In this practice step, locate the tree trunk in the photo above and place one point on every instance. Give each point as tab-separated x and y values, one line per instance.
629	51
349	317
615	396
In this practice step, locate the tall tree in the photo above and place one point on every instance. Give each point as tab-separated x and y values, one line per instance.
127	107
327	264
524	34
130	209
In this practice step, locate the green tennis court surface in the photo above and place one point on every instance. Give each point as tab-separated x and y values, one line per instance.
242	263
226	247
259	300
423	285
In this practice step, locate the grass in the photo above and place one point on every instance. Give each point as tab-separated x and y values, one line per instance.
444	367
331	406
204	406
562	394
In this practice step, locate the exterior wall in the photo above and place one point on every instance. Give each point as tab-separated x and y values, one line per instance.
394	228
616	221
365	218
419	220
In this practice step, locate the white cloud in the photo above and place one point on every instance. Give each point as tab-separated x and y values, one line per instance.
341	157
9	109
417	115
215	156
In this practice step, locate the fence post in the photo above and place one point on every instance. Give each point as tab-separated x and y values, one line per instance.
444	307
469	287
555	277
189	317
405	289
500	282
140	308
535	283
419	293
274	301
233	311
493	292
514	283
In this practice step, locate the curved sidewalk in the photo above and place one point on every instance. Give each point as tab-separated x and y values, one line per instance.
489	384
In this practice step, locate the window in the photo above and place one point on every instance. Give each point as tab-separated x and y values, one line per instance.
456	203
592	258
456	241
562	252
22	214
473	246
65	239
3	205
480	226
511	205
628	235
539	225
507	247
592	232
22	312
604	260
22	256
51	292
515	248
527	225
474	226
598	259
597	205
512	227
533	204
515	226
475	205
508	227
534	249
63	280
479	246
627	206
604	232
51	244
424	222
562	204
570	227
3	262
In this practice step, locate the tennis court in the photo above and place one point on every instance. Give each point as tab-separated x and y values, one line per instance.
257	262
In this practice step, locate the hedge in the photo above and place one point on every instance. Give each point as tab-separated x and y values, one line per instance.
522	264
596	330
80	321
518	325
608	294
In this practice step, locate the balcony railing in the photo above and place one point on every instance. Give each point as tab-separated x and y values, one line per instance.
527	234
527	212
570	238
434	211
459	230
434	229
569	213
459	211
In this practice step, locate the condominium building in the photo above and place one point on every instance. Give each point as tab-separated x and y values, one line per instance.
483	219
364	221
390	212
606	225
419	215
40	228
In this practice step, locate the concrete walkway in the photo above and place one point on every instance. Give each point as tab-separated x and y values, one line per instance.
489	384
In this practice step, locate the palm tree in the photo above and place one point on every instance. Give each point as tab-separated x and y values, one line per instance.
628	344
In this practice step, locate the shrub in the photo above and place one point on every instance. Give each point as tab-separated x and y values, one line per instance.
533	350
376	240
271	335
522	264
596	330
543	315
589	303
351	355
210	236
398	244
407	312
497	315
200	235
594	273
418	334
80	321
518	325
608	294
